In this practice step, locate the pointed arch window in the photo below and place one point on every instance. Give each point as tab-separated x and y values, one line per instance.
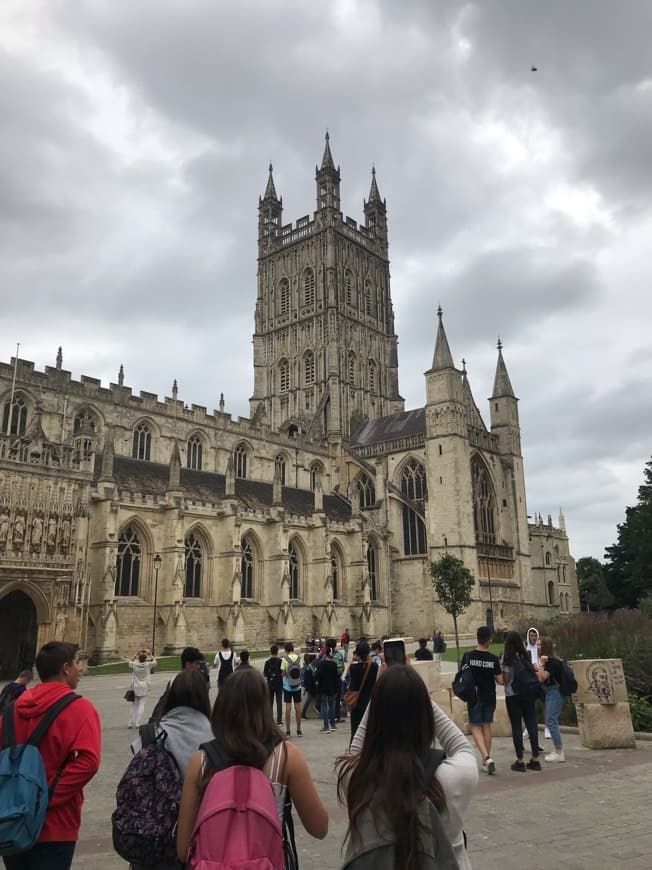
194	567
348	287
316	472
352	368
283	297
368	299
14	417
241	457
280	466
366	491
284	376
127	569
309	368
336	572
194	453
142	443
548	559
551	592
484	503
295	570
247	569
372	569
413	487
372	378
308	287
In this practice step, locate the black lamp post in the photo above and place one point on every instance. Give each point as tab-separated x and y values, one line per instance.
157	565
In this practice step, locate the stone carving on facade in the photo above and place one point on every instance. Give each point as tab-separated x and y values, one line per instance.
37	531
65	533
4	527
19	531
52	532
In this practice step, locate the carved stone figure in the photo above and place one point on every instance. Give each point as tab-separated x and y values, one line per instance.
52	532
37	531
19	530
60	624
65	534
4	526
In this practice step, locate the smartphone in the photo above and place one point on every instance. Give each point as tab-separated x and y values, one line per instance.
394	651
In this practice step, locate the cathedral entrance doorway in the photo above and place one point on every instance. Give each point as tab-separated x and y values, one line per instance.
18	631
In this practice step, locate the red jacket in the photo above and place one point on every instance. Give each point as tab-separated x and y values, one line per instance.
74	735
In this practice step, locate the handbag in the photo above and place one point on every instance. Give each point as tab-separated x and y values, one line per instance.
130	695
352	697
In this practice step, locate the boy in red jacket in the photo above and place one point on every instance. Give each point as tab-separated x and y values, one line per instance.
71	745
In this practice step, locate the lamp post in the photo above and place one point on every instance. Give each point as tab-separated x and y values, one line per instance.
157	565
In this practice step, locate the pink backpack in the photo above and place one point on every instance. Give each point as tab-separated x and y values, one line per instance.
238	825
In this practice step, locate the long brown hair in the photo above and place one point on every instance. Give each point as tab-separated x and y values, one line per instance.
242	720
388	772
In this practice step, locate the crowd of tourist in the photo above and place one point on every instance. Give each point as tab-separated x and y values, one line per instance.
198	773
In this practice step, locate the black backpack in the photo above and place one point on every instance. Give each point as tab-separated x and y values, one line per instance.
464	686
567	681
8	695
524	677
274	674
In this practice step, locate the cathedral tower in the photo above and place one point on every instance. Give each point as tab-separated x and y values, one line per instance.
325	350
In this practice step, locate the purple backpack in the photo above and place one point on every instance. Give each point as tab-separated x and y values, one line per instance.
148	797
238	823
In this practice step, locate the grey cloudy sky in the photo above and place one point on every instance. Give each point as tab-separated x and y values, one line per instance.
134	144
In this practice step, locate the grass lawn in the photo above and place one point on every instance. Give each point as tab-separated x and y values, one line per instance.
163	664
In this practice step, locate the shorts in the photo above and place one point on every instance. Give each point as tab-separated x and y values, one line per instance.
292	696
481	714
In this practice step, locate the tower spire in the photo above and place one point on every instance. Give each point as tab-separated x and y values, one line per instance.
270	190
502	383
327	159
374	193
443	358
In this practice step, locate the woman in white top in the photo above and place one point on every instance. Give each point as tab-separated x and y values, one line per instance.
245	732
141	682
400	689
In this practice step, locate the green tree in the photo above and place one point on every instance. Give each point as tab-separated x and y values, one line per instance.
594	593
629	561
453	584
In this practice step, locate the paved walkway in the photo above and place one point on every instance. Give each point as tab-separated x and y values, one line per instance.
592	811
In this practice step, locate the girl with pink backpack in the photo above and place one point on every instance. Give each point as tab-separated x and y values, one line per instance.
236	804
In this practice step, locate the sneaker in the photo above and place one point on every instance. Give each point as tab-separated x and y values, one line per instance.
288	734
526	736
484	765
547	734
518	766
555	757
324	730
533	765
333	727
490	765
299	734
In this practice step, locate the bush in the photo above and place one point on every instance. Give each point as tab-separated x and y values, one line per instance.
623	634
645	605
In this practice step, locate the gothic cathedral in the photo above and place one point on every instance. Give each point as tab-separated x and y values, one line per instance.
127	519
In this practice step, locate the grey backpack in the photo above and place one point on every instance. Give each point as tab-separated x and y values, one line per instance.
376	849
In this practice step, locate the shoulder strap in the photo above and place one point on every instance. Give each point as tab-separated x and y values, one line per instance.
431	761
147	734
216	755
50	715
367	668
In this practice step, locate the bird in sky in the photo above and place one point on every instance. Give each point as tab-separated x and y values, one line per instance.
534	69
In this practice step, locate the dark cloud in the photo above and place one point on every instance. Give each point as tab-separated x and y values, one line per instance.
135	141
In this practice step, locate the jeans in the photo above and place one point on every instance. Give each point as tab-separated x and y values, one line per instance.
43	856
520	708
554	703
328	710
277	694
306	704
